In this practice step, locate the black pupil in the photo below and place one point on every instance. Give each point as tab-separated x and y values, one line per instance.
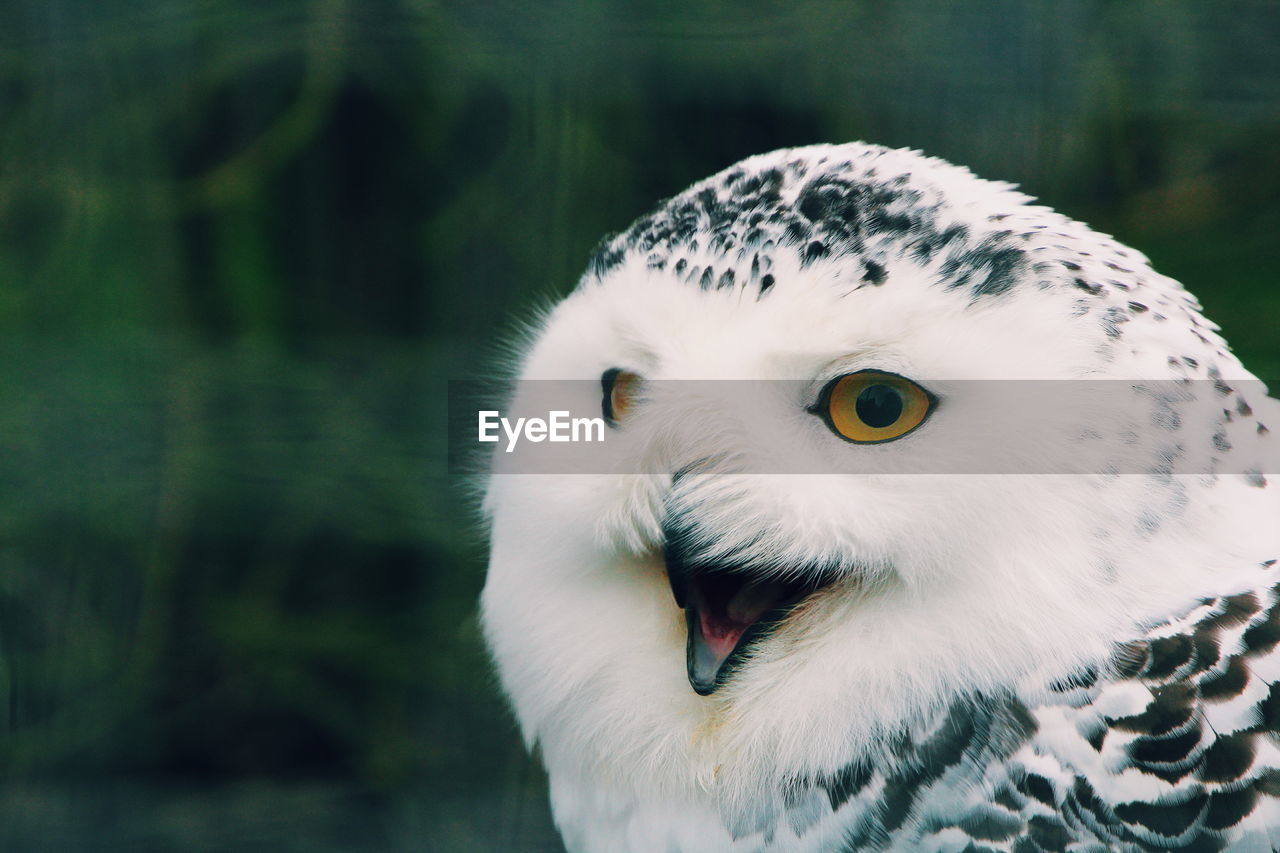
879	406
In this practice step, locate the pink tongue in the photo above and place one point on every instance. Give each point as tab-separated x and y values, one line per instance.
720	637
746	607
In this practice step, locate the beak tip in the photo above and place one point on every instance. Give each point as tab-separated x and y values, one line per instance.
703	689
703	667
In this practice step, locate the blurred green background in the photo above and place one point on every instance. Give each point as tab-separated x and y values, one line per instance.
244	245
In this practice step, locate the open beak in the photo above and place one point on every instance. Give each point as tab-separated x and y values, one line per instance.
728	610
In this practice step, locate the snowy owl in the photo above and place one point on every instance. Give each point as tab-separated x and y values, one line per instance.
871	651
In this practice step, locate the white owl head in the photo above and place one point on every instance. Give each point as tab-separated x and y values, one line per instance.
693	619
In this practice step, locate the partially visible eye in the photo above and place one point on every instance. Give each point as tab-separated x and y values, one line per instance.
872	406
620	388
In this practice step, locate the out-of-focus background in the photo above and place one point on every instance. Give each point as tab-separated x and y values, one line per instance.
244	245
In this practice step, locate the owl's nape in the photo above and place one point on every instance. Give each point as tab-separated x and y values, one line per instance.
868	650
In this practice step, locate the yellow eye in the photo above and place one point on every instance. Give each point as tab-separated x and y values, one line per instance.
872	406
620	390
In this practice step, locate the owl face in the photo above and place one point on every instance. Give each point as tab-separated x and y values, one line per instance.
834	308
826	376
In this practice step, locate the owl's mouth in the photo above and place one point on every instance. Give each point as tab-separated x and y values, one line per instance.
729	610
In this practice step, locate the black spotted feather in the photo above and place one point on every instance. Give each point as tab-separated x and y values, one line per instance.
1171	746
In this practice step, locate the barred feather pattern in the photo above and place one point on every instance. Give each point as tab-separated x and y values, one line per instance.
1170	746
